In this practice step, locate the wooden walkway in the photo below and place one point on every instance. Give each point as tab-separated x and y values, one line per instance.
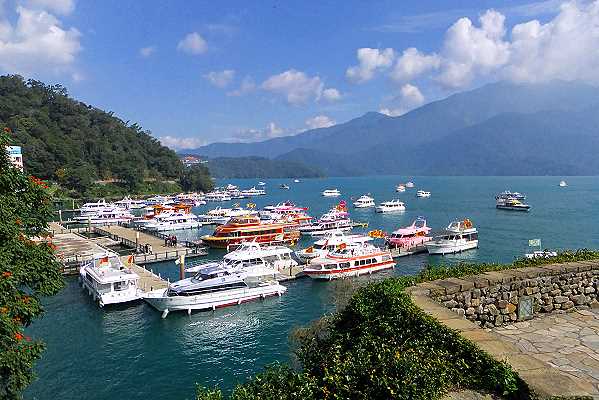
148	280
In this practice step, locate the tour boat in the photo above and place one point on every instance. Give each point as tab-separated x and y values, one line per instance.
410	184
130	204
457	237
93	207
192	199
510	195
422	193
217	286
364	201
400	188
217	196
108	281
159	200
106	217
512	204
350	260
250	228
563	184
331	193
253	192
390	206
410	237
279	258
325	227
173	222
330	243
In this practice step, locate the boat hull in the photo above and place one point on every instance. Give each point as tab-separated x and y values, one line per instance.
450	248
105	299
336	273
513	208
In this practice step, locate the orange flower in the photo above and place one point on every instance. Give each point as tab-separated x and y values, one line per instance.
18	221
17	319
6	129
3	310
18	336
7	274
25	299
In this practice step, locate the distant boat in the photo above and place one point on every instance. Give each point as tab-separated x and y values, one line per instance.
331	193
563	184
400	188
283	186
422	193
261	183
410	184
296	180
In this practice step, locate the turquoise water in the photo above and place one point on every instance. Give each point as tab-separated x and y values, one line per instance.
130	352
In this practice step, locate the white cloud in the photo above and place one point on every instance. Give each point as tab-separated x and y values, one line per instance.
295	86
331	94
178	143
193	44
147	51
63	7
319	121
409	98
369	62
247	85
256	135
413	63
37	43
220	79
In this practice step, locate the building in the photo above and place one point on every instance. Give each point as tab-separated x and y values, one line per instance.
16	156
190	160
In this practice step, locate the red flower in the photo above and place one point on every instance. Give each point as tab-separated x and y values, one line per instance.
7	274
6	129
18	336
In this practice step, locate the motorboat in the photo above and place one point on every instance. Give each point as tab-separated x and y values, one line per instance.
541	254
324	227
94	207
457	237
106	217
249	228
253	192
331	193
261	183
283	186
350	260
563	184
422	193
130	204
330	243
296	181
364	201
510	195
217	286
231	187
108	281
173	222
278	258
409	184
192	199
513	204
390	206
221	216
410	237
400	188
217	196
159	200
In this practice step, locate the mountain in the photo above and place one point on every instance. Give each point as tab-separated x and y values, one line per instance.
375	143
258	167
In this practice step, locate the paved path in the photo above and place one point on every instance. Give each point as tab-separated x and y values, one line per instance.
568	342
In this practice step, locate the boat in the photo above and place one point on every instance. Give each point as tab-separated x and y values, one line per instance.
231	187
457	237
217	196
331	193
279	258
323	227
221	216
410	237
330	243
192	199
93	207
510	195
283	186
296	181
249	228
217	286
253	192
108	281
130	204
350	260
400	188
261	183
513	204
563	184
286	212
173	222
409	184
541	254
390	206
422	193
159	200
106	217
364	201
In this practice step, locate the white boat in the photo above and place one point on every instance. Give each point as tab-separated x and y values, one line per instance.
422	193
457	237
364	201
296	180
261	183
410	184
508	203
217	196
390	206
160	200
283	186
108	281
510	195
331	193
230	187
330	243
563	184
106	217
130	204
323	228
541	254
173	222
400	188
253	192
93	207
350	260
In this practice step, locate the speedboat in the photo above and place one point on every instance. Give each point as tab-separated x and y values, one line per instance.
350	260
283	186
364	201
261	183
563	184
390	206
400	188
173	222
296	181
217	286
457	237
513	204
410	237
231	187
330	243
409	184
422	193
331	193
108	281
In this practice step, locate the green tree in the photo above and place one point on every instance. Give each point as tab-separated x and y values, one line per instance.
28	270
196	178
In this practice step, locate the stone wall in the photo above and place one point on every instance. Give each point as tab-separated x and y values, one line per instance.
498	298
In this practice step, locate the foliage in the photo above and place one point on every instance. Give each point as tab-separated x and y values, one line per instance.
380	345
258	167
196	178
75	144
28	270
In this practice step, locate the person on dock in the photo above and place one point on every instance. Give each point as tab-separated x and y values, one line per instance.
167	241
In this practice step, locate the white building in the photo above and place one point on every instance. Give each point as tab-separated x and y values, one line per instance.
16	156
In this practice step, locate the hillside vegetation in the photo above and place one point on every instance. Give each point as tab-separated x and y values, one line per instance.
259	167
75	144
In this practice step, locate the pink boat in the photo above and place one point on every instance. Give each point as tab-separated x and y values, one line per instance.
410	237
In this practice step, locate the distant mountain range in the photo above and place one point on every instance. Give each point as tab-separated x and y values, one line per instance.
498	129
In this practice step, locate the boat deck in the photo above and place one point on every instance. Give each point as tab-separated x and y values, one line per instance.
148	280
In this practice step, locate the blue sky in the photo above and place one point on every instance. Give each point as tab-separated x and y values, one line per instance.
196	72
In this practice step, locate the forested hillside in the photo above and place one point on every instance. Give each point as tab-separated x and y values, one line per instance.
75	144
258	167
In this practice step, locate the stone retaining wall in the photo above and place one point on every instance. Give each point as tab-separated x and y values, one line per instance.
498	298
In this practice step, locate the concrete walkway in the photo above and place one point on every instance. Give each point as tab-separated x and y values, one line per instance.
567	342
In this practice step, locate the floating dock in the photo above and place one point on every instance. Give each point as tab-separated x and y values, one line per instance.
397	252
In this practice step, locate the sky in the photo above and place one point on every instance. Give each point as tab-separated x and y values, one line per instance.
197	72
